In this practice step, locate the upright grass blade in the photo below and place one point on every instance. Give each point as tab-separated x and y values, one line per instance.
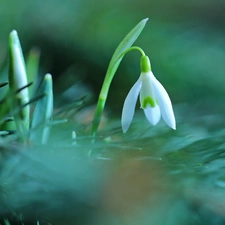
18	79
43	112
32	65
126	43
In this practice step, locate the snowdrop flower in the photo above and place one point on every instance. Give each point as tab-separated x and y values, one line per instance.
153	98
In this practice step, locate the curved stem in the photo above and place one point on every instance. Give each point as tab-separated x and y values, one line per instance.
132	48
105	88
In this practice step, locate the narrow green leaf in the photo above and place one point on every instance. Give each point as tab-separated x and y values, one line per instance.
32	64
17	80
43	112
125	44
128	41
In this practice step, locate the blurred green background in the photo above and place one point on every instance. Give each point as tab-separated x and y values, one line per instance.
184	40
186	45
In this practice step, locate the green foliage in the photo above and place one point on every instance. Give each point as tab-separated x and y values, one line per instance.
32	64
43	112
117	57
15	105
51	179
17	86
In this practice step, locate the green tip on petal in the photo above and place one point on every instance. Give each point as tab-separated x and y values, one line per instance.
148	101
145	64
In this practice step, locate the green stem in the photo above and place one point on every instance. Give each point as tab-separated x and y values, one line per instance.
105	89
130	49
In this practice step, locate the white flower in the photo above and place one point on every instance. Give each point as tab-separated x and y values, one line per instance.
153	98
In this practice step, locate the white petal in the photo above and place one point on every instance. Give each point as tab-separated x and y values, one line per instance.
129	105
153	114
164	103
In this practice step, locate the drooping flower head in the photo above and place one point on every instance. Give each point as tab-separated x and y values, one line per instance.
154	99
